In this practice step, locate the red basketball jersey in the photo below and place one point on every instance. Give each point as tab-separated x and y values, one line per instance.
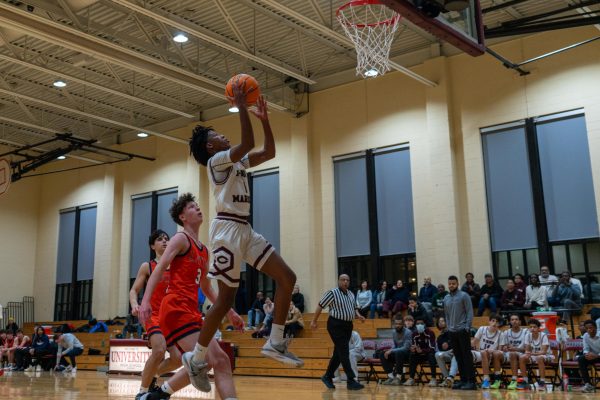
161	288
187	270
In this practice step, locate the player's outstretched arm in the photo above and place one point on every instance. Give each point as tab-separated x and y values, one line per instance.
239	151
178	244
138	284
268	151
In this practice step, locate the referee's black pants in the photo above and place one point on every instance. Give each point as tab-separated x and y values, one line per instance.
340	332
461	345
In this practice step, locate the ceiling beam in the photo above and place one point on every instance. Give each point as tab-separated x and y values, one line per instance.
232	25
196	31
89	115
276	5
44	150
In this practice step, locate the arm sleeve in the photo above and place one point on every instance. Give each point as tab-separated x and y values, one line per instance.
468	309
220	167
586	345
326	300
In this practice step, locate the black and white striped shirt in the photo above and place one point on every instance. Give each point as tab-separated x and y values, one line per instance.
341	304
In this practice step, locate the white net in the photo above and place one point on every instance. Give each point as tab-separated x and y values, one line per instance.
371	27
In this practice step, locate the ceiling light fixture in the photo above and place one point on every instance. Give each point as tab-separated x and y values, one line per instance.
234	109
372	73
61	157
180	38
142	134
59	83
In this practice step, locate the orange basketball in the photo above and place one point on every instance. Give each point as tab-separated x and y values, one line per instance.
250	85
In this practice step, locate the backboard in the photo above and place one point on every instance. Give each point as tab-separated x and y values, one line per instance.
463	29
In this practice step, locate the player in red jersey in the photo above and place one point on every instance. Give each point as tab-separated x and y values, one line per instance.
156	363
179	317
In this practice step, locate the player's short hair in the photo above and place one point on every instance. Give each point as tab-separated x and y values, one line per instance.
535	322
198	144
178	206
155	235
514	315
413	298
453	278
398	317
494	316
19	330
589	322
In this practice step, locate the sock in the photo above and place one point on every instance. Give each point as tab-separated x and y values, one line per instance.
514	377
143	389
276	337
391	375
526	379
166	388
199	354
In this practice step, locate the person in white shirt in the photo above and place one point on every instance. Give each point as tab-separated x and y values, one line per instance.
357	353
487	348
547	281
512	345
537	351
536	295
68	346
364	297
591	354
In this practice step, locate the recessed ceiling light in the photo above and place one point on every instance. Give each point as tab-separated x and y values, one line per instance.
180	38
142	134
59	83
234	109
372	73
61	157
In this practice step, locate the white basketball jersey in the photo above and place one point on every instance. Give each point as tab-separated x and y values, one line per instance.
512	339
536	344
229	183
487	339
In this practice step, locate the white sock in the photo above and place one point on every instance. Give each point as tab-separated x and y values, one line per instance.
391	375
199	354
276	336
526	379
166	388
143	389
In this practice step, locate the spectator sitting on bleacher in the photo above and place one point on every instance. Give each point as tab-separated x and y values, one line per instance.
268	310
512	298
520	283
97	326
393	360
5	351
471	288
68	346
380	303
364	297
535	294
591	354
294	322
19	341
12	326
491	292
422	349
255	313
40	346
547	280
438	301
398	298
417	311
444	354
426	294
298	298
22	345
357	353
567	295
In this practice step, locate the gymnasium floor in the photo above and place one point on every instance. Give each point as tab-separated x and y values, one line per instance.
89	385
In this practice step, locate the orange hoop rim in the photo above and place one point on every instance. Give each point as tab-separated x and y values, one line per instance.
354	3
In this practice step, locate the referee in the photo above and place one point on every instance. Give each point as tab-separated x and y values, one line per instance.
342	310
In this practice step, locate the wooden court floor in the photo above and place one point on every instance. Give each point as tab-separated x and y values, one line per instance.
87	385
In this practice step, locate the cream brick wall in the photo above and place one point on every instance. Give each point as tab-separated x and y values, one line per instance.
441	126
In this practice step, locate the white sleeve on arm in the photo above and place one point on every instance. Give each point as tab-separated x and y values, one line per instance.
220	167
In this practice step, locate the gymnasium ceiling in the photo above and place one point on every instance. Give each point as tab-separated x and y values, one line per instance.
125	74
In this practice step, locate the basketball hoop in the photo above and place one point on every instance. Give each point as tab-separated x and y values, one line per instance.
371	26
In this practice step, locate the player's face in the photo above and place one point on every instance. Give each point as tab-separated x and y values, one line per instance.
452	285
591	329
192	213
534	328
217	142
493	323
515	322
160	244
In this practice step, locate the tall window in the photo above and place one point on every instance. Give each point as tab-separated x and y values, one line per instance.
264	187
540	196
375	236
150	211
75	263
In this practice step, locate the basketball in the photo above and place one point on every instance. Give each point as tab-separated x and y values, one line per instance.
250	85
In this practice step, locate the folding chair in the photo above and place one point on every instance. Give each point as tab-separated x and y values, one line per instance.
568	361
369	361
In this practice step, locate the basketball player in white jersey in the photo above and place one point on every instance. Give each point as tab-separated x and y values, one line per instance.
231	238
537	351
487	348
513	347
